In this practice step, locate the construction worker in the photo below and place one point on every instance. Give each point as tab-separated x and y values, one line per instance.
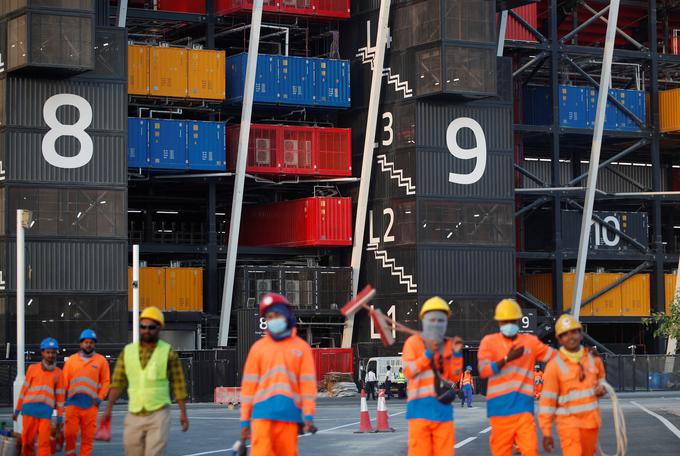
389	378
370	381
467	387
572	386
507	359
87	378
278	391
149	369
427	358
538	381
41	394
400	380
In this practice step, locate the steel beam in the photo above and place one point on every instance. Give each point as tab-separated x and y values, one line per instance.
530	175
618	30
122	13
528	26
585	24
529	64
619	156
502	27
535	205
615	284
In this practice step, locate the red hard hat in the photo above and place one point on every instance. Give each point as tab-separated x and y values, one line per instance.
272	299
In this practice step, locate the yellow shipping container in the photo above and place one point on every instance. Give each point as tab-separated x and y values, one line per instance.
138	70
184	289
207	74
151	288
669	110
540	285
168	72
669	281
568	279
608	305
635	298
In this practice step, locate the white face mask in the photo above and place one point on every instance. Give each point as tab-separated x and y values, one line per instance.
509	329
277	325
434	325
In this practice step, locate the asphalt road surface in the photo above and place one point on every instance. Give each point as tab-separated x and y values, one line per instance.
653	423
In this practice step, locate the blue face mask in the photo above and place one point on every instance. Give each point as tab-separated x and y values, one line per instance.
509	329
277	325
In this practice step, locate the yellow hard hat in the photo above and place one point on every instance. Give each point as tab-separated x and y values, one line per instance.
435	303
566	323
153	313
507	309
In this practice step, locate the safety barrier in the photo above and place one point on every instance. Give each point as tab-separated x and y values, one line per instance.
643	372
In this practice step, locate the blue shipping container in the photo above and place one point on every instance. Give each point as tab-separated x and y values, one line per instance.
167	144
615	119
635	101
537	105
296	83
267	78
206	149
138	142
573	107
331	83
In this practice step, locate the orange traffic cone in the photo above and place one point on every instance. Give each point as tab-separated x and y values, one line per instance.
364	417
382	423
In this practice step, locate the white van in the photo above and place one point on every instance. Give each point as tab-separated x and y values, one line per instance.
379	366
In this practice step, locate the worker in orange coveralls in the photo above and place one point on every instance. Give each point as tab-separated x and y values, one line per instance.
507	359
41	394
278	391
538	381
572	386
87	378
427	358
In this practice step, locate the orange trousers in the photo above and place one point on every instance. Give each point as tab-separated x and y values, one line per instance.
431	438
273	438
508	430
32	427
578	442
83	420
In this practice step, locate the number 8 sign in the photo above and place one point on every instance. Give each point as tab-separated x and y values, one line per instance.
58	129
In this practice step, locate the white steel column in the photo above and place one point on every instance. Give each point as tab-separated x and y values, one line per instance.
501	33
135	293
239	180
672	342
367	163
605	82
122	13
21	303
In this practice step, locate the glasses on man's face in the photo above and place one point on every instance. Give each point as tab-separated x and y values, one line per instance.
149	327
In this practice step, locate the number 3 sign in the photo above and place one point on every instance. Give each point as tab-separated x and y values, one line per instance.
58	129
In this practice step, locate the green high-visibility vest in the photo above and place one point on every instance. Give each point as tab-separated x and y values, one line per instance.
400	378
148	388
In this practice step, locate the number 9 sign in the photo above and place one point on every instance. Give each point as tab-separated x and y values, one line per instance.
478	152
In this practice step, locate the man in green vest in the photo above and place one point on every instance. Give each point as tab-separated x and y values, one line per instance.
150	370
400	380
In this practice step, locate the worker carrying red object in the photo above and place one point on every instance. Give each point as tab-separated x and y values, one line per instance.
538	381
87	378
507	359
41	394
278	390
573	382
432	365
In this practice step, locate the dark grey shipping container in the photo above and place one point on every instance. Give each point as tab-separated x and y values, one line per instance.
26	98
394	174
61	266
634	224
110	55
391	270
22	157
15	6
392	222
250	328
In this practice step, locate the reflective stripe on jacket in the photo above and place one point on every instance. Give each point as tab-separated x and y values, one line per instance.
42	392
568	400
510	390
422	399
87	380
279	381
467	380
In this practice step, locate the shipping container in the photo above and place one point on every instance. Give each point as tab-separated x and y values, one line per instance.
332	360
110	55
609	304
669	283
296	83
635	101
541	286
138	70
669	111
338	9
167	144
515	31
206	147
331	83
267	78
635	296
207	74
603	238
294	150
151	288
307	222
184	289
138	142
168	72
183	6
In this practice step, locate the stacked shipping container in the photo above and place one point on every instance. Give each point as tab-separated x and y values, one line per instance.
337	9
169	289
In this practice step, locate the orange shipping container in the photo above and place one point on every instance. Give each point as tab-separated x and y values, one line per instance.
568	292
540	285
138	70
168	72
608	305
207	74
669	110
184	289
151	288
669	281
636	301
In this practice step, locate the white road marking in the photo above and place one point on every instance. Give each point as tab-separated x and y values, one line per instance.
485	430
663	420
224	450
465	442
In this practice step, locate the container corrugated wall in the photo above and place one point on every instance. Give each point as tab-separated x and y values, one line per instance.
206	146
167	144
669	110
669	282
516	31
151	288
138	70
184	289
168	72
207	74
138	143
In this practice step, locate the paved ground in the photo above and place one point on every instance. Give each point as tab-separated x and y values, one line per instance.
653	423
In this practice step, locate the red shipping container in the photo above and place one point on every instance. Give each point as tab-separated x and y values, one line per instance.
308	222
332	360
518	32
294	150
182	6
319	8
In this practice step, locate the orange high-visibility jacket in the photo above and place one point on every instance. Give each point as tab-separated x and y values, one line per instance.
42	393
567	399
87	380
510	390
467	380
422	398
279	381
